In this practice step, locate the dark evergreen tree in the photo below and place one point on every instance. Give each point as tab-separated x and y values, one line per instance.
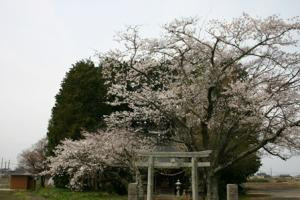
80	104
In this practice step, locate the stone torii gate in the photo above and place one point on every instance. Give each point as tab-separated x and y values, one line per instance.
194	164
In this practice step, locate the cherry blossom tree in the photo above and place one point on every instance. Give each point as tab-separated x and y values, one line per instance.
87	157
34	160
229	86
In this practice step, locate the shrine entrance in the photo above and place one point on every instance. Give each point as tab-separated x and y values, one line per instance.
153	162
165	181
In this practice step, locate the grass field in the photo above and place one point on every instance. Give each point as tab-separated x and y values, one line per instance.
57	194
62	194
6	195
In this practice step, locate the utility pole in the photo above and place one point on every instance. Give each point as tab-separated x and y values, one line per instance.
271	172
1	169
8	165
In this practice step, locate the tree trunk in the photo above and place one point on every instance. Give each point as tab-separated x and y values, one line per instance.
213	187
43	181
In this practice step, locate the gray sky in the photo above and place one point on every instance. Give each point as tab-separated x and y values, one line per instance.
40	39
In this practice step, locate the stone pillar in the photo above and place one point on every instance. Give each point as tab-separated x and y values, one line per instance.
133	191
195	191
140	191
232	192
150	178
140	186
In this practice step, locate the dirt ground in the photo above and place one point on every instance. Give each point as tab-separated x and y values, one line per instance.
274	191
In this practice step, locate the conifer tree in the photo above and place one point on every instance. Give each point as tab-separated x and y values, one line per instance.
80	104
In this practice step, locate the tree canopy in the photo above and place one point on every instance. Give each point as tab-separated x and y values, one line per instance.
33	160
232	87
80	104
94	156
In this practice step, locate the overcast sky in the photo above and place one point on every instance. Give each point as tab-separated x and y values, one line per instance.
40	39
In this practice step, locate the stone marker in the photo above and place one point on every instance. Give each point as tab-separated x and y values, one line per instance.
140	192
232	192
133	191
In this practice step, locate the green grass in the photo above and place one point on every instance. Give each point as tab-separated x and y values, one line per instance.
7	195
22	195
63	194
57	194
244	198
